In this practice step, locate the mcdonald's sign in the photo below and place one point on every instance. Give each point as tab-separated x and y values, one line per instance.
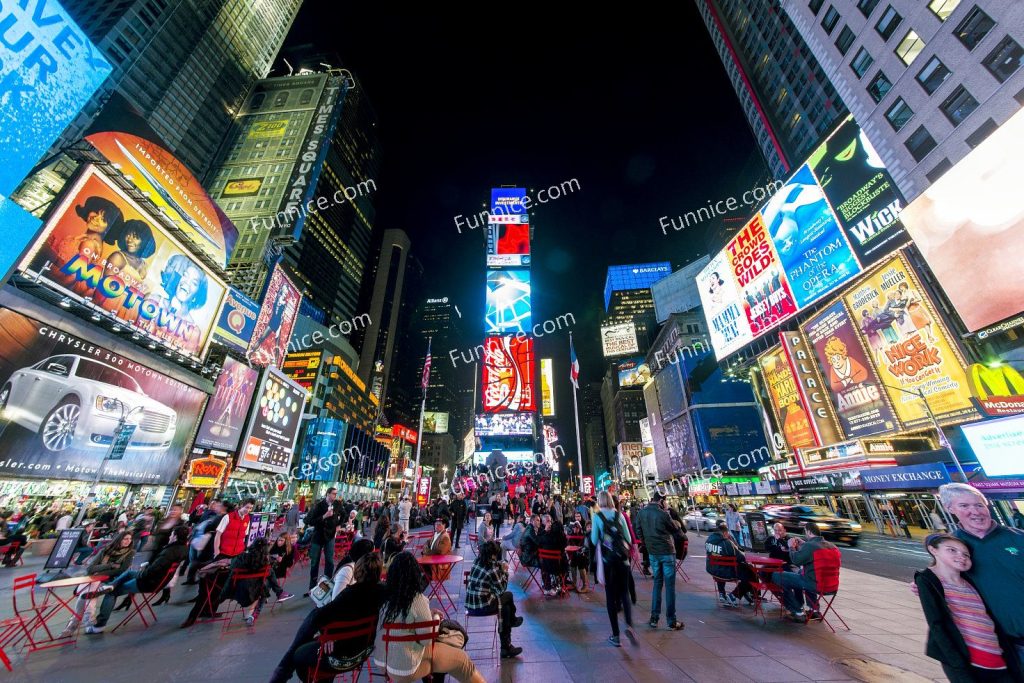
997	391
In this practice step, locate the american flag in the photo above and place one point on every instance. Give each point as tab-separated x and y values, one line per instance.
426	370
574	366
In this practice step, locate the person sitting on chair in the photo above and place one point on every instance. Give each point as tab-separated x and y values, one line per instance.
440	544
795	586
487	594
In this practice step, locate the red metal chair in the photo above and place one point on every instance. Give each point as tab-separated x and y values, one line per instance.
9	628
724	562
474	543
237	576
433	628
827	562
31	618
634	558
141	601
513	561
497	618
15	551
557	556
207	591
360	630
765	587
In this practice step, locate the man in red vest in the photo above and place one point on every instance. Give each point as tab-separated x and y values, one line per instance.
232	531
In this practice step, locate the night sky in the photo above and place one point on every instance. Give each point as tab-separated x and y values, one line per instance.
635	105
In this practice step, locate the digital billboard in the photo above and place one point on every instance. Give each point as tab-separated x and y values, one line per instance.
273	328
720	300
811	246
61	397
50	70
508	302
910	347
175	191
619	340
224	419
861	192
100	248
435	423
508	205
547	388
508	375
508	244
785	400
998	445
237	321
303	367
969	225
765	293
504	424
813	392
274	424
860	403
633	372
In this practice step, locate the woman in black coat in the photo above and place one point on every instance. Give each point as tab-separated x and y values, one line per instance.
249	593
552	538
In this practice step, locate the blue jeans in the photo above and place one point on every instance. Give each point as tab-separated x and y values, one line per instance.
664	568
314	561
794	588
123	585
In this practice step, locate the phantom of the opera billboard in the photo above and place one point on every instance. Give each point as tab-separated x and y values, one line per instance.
62	396
102	249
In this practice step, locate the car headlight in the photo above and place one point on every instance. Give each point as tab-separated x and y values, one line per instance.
855	526
109	405
824	525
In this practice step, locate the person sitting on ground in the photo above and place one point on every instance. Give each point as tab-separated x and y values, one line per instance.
362	598
796	585
552	538
961	632
406	662
113	559
149	579
487	594
721	544
528	544
282	555
778	546
346	569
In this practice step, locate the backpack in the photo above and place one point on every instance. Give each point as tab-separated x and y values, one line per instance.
615	548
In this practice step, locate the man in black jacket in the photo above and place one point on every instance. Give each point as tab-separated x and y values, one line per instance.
458	510
324	519
655	529
798	585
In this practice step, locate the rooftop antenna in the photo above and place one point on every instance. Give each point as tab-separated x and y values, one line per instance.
290	69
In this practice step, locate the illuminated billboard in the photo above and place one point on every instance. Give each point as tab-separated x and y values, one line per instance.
303	367
508	244
720	300
619	340
812	249
969	225
273	327
224	420
633	372
997	445
274	425
508	205
435	423
237	321
785	399
861	192
547	388
504	424
910	347
50	70
175	191
508	302
508	375
765	293
102	249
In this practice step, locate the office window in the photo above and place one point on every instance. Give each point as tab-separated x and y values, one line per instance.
910	47
959	105
878	88
845	40
1004	59
888	23
830	20
862	62
898	114
984	130
866	7
932	75
815	6
920	143
973	28
943	8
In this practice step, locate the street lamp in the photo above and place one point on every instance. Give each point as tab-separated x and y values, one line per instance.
118	442
943	441
570	474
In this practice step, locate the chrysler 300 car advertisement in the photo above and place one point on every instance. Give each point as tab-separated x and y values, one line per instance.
61	398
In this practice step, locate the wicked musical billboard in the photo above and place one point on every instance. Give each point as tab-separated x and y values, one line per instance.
860	403
62	396
910	347
102	249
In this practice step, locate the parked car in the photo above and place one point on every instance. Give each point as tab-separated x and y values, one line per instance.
71	401
833	528
702	520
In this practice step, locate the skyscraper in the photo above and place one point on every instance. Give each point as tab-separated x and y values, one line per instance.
785	94
378	339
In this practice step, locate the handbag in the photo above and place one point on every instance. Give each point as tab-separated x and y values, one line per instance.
349	663
453	634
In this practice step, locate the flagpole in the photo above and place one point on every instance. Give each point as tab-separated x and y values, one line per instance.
423	408
576	415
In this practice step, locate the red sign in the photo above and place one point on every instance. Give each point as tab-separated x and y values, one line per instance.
404	433
508	374
205	473
422	492
588	485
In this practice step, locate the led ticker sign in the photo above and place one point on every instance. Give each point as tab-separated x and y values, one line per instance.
508	375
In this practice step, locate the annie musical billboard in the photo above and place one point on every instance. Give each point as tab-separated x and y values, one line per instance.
102	249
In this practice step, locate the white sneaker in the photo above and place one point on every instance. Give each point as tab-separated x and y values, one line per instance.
733	602
95	629
722	600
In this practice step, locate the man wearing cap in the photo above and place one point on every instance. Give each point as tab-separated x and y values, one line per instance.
654	528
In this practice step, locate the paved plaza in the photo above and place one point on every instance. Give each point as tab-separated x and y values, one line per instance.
563	639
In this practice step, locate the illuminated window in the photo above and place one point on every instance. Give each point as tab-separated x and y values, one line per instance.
974	28
943	8
910	47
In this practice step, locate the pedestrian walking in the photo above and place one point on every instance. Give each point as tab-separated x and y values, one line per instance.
610	536
404	512
323	519
459	513
654	528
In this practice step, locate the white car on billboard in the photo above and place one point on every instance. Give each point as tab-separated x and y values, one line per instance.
71	401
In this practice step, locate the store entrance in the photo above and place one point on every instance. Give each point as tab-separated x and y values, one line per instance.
911	515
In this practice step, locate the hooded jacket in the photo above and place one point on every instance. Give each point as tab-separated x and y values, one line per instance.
717	544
